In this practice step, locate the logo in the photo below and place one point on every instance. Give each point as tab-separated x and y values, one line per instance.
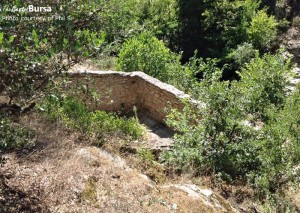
29	9
32	8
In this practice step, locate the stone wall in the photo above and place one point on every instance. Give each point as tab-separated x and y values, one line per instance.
122	91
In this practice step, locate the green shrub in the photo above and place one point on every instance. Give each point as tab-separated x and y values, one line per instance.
118	19
262	30
198	66
280	143
104	122
13	136
160	18
243	54
219	143
226	138
187	75
37	53
146	53
215	28
76	115
264	83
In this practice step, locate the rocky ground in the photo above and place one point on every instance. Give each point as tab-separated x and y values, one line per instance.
291	42
294	79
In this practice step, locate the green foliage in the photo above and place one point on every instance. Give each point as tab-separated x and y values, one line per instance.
160	18
13	136
231	18
191	30
102	124
215	28
262	30
33	54
280	147
219	142
146	53
243	54
226	137
117	18
264	82
146	156
111	123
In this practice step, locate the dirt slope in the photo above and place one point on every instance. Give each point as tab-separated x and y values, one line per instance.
64	173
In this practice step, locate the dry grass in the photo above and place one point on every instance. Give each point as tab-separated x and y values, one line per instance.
65	173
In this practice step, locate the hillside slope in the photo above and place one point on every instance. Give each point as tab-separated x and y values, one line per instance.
62	172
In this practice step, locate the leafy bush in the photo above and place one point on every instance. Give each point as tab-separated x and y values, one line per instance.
76	115
219	142
264	83
32	55
243	54
110	123
13	136
226	138
118	19
262	30
215	28
280	148
146	53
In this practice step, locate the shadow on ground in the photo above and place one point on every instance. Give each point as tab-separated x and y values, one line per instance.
15	200
158	128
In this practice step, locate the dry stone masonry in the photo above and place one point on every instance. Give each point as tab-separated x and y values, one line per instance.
121	91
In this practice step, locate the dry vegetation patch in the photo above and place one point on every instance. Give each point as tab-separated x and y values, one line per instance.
63	172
